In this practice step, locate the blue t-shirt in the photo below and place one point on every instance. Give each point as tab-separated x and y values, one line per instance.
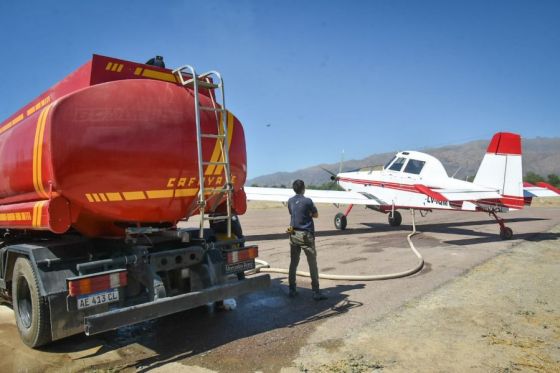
301	210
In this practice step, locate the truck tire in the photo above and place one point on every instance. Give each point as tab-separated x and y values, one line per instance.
30	308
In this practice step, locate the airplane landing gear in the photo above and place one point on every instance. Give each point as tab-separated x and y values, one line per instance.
506	233
395	218
340	221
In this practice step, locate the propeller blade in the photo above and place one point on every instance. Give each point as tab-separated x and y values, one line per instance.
329	172
334	177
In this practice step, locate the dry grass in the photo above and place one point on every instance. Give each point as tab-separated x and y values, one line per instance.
264	205
546	202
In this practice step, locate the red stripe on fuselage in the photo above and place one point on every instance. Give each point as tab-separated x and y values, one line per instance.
429	192
382	184
505	201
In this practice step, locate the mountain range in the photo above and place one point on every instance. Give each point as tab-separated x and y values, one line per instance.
541	155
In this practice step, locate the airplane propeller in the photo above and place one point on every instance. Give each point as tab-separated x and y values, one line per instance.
334	177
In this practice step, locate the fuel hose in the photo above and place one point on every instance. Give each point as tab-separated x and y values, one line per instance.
263	266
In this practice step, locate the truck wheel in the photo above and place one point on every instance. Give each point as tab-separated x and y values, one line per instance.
31	310
395	220
340	221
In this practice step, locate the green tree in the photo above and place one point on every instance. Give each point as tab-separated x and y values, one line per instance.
326	186
553	179
533	178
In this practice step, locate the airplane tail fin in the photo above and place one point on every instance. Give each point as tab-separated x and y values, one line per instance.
501	168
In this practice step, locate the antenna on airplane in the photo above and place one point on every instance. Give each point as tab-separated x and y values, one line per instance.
453	176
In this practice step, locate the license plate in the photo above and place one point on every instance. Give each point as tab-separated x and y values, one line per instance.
92	300
240	267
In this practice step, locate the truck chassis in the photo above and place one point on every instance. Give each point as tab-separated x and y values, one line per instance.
64	285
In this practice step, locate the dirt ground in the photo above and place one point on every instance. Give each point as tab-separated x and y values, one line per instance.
501	316
479	304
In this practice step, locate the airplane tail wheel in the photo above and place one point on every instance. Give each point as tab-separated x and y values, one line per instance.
31	310
506	233
396	219
340	221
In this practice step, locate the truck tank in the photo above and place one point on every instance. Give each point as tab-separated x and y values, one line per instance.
112	145
95	174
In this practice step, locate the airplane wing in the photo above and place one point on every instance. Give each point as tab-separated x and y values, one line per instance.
318	196
540	190
450	194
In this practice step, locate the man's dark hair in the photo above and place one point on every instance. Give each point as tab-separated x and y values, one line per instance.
298	186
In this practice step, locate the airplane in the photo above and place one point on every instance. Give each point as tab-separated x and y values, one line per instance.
418	181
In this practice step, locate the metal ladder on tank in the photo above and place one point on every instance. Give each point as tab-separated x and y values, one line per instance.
211	80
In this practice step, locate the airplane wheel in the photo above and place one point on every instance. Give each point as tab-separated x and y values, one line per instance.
340	221
395	220
506	233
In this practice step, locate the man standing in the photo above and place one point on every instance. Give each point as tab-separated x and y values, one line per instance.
302	237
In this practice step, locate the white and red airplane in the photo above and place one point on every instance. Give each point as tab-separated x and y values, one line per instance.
415	180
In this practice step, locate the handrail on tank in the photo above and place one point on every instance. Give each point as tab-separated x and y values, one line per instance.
178	73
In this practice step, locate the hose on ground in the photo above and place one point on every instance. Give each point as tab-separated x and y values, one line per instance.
263	266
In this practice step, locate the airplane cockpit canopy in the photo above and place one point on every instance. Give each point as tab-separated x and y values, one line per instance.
415	163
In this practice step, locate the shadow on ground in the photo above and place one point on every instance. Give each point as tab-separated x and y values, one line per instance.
448	228
195	332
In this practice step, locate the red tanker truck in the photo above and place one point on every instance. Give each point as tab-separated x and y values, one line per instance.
95	175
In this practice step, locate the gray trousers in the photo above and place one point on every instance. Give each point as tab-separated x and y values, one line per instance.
303	240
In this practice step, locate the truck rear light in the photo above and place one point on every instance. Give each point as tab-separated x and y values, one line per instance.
242	255
95	283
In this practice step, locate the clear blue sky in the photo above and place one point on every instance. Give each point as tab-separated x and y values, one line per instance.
311	78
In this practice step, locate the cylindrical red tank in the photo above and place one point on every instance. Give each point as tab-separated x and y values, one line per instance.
111	154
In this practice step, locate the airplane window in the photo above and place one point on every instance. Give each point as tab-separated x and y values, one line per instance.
397	165
388	163
414	166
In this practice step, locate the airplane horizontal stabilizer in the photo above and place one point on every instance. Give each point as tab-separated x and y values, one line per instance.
549	187
540	190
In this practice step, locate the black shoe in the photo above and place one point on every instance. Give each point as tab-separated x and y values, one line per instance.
317	295
292	293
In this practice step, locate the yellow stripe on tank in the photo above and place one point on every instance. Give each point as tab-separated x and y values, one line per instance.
159	75
114	197
37	213
38	153
164	193
140	195
132	196
217	153
230	122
